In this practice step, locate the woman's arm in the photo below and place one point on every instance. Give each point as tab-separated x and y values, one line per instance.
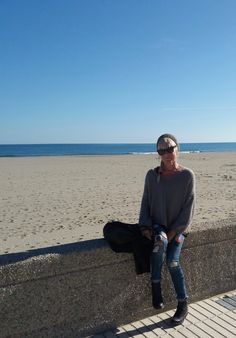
186	214
145	221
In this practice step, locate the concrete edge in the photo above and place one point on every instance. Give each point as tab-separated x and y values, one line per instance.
74	257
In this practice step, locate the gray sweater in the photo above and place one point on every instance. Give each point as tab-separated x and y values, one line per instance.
168	200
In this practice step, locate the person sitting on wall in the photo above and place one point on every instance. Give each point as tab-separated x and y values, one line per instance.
166	212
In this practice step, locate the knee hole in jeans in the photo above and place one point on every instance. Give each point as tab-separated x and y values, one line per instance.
160	241
158	245
173	264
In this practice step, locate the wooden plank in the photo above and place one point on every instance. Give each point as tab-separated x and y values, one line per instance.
219	329
210	308
228	319
208	330
203	311
200	333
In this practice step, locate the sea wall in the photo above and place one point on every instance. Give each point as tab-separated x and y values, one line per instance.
79	289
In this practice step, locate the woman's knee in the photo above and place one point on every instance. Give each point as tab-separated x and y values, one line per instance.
160	242
173	264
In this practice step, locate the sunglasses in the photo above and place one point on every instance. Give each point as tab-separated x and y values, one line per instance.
168	150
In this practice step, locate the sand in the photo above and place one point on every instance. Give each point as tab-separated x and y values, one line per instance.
47	201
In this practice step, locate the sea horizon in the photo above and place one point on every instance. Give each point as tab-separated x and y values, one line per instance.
75	149
53	143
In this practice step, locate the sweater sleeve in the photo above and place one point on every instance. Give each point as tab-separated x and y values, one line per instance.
145	220
185	216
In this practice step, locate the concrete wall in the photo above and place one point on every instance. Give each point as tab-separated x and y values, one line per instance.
79	289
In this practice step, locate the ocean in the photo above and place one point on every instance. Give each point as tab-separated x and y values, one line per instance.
21	150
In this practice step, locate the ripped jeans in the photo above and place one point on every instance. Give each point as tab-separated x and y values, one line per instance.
172	252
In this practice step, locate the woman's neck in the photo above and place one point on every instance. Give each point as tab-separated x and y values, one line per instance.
170	168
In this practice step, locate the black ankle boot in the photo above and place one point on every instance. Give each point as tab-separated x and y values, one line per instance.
157	300
181	312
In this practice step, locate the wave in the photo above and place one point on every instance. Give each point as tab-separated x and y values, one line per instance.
191	152
143	153
155	153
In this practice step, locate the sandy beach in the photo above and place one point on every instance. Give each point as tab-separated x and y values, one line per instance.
47	201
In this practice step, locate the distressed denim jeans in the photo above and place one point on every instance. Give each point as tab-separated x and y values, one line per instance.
171	251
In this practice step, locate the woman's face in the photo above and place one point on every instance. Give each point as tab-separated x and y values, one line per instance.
168	150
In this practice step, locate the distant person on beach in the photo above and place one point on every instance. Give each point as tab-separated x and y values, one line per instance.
166	213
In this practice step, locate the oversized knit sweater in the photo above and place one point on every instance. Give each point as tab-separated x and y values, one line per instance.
168	200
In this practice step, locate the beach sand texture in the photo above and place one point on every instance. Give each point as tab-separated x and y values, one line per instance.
47	201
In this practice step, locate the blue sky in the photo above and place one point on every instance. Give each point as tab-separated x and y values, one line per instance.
103	71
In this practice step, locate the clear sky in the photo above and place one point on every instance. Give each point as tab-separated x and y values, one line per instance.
104	71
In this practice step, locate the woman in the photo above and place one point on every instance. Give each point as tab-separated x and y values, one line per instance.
166	212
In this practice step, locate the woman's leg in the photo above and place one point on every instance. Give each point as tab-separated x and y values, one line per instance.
158	253
157	259
175	269
177	275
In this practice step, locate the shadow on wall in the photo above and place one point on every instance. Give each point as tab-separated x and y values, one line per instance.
58	249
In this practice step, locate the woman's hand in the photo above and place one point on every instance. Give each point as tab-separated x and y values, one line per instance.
170	235
147	233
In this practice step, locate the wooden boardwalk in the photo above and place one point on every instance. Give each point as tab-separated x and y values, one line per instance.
214	317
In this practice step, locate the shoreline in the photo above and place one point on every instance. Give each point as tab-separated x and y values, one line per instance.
123	154
53	200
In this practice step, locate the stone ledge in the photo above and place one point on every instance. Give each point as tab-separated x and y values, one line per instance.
82	288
